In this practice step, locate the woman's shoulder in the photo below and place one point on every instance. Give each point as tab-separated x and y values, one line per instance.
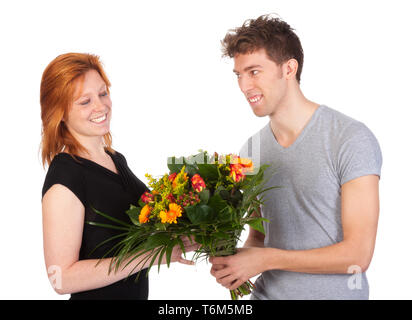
66	170
118	155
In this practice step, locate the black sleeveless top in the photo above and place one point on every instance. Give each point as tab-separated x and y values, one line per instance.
110	193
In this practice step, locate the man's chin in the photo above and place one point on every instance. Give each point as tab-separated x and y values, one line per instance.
260	113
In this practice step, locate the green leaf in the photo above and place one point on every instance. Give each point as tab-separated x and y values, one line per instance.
160	226
182	247
200	214
217	203
154	256
204	196
236	197
104	225
162	253
141	203
133	214
156	240
223	193
221	235
257	224
208	171
111	218
169	251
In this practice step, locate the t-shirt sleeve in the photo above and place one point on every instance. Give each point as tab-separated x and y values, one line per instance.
359	154
67	175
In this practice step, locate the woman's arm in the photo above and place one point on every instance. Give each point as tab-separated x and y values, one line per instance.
63	219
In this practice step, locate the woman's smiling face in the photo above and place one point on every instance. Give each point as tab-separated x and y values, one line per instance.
91	110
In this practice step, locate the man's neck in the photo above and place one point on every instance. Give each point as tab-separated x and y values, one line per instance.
291	116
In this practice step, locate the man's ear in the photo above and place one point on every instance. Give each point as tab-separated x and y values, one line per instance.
290	68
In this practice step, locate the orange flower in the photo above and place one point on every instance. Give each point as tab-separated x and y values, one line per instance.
144	214
170	216
198	183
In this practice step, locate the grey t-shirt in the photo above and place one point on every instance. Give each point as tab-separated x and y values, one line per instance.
305	213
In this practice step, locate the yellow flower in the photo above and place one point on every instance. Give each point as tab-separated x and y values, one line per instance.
144	214
170	216
180	179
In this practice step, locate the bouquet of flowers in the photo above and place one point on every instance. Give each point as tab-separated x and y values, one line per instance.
207	198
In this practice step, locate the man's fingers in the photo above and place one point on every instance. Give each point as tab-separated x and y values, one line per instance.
235	285
217	267
227	281
224	272
217	260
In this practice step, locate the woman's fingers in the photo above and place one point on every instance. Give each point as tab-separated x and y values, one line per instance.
185	261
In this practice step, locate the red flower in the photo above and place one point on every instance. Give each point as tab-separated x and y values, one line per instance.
172	177
171	198
236	172
198	183
147	197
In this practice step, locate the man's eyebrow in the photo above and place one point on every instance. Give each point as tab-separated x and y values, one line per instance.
249	67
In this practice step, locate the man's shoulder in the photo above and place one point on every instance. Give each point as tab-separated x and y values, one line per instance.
342	125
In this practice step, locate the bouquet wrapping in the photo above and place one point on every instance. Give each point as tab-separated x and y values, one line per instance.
208	198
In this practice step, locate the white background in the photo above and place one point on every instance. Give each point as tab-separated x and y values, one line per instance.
172	94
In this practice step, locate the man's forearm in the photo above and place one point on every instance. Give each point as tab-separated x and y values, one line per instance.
337	258
253	242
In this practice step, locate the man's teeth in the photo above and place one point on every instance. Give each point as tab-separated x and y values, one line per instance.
97	120
255	98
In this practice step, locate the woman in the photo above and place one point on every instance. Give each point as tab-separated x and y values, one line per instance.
84	172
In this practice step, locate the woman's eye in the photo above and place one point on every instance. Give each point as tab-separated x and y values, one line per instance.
254	72
83	103
103	94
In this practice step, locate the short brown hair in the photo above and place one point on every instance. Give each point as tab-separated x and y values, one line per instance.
265	32
57	90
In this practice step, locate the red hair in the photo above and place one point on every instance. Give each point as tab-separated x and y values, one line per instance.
57	90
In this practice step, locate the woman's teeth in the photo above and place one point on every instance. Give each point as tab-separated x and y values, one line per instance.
100	119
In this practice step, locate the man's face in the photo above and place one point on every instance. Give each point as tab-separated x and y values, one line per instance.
261	81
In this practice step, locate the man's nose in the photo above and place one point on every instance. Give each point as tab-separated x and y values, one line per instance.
245	84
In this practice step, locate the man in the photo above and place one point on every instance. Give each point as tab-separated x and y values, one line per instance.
323	219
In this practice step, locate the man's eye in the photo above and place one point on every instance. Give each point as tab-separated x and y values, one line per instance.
254	72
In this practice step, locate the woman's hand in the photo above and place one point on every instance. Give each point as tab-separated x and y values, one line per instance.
189	245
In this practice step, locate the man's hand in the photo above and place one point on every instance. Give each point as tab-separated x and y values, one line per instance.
232	271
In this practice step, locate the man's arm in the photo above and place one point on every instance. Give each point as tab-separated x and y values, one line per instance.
360	211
